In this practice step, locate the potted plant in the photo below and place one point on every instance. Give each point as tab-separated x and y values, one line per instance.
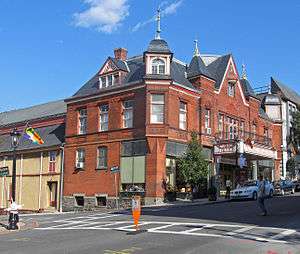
212	193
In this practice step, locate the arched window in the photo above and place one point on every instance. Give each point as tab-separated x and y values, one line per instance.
158	66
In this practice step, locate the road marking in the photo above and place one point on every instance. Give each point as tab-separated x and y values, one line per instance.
284	234
241	230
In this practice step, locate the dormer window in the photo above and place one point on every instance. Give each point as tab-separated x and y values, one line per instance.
109	80
158	66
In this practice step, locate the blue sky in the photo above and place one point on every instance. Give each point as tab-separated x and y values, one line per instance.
48	49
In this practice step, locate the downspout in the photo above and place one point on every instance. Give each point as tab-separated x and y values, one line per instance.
40	180
61	183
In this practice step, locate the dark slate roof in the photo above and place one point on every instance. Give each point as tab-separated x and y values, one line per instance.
52	135
137	73
247	88
197	67
217	68
158	46
121	65
35	112
286	92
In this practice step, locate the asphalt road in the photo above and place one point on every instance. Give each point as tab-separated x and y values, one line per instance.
234	227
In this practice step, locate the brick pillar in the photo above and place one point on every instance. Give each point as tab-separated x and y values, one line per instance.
155	170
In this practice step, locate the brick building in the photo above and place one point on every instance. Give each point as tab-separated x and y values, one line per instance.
38	167
137	114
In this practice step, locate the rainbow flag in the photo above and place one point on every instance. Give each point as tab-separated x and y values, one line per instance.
32	135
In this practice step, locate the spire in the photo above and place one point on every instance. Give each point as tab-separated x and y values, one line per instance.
270	89
244	73
157	36
196	52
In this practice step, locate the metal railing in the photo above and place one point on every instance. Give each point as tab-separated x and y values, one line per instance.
250	137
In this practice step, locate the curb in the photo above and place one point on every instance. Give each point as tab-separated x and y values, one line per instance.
24	227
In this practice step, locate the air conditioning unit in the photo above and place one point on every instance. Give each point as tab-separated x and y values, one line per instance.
79	165
208	131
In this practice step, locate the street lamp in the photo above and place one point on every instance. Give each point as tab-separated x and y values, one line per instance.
15	135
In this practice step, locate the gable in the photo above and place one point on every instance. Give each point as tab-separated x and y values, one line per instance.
109	66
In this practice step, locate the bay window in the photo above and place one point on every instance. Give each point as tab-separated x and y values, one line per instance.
157	108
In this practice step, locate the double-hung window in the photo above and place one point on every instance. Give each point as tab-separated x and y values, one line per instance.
80	158
104	117
82	118
102	158
182	115
207	124
128	114
220	125
158	66
157	108
52	161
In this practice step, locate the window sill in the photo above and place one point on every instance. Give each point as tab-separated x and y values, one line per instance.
101	169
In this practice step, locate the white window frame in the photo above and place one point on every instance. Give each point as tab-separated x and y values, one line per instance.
182	115
207	121
220	124
80	158
106	78
157	103
52	161
99	149
102	114
158	66
127	110
82	121
231	89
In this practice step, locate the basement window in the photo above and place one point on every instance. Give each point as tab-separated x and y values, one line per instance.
101	201
79	200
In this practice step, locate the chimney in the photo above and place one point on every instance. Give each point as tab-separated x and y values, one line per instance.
121	54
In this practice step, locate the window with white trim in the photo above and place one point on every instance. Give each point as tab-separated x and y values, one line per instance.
157	108
207	123
52	161
220	125
104	117
102	158
182	115
158	66
82	121
128	114
103	82
80	158
231	89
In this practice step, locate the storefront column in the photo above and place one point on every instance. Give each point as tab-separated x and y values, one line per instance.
254	169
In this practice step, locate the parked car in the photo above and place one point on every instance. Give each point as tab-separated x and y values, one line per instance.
283	187
249	190
297	185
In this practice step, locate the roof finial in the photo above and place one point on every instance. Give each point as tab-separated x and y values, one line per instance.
270	89
157	36
244	73
196	52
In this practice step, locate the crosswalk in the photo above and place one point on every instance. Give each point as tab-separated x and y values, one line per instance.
120	222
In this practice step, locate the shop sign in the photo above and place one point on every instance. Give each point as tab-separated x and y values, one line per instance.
224	148
4	171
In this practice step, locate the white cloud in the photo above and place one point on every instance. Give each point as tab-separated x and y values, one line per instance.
165	11
104	15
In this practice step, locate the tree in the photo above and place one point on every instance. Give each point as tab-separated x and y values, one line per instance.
295	133
291	167
192	166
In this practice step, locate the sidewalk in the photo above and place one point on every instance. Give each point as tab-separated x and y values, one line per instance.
24	225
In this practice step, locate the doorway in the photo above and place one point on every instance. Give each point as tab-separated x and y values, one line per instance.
52	194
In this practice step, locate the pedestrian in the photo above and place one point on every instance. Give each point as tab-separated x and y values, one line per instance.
261	195
228	189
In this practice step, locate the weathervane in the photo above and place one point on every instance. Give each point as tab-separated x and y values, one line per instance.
244	73
157	36
196	52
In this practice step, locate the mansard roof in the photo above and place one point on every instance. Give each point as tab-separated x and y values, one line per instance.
158	46
46	110
285	92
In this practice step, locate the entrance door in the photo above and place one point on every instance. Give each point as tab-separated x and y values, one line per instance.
52	194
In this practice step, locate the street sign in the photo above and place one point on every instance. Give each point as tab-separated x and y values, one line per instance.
115	169
242	161
4	171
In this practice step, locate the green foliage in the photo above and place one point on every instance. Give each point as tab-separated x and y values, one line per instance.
192	166
291	167
295	136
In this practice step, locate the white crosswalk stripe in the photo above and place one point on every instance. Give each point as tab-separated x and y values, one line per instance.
108	222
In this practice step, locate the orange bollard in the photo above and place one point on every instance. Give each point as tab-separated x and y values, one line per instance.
136	210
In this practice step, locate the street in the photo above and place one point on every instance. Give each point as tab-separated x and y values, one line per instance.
231	227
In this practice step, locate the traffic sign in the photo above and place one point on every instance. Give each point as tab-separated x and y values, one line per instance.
115	169
4	171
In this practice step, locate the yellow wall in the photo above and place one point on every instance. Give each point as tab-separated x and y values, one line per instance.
32	190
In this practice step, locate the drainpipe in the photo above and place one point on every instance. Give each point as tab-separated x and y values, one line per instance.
61	184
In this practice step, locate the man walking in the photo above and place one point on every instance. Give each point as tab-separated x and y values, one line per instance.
228	189
261	195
